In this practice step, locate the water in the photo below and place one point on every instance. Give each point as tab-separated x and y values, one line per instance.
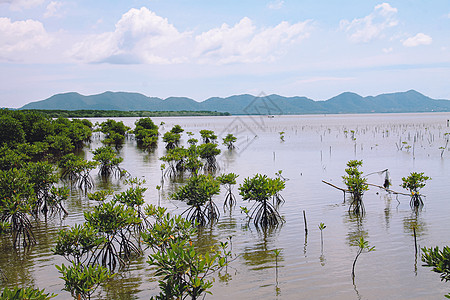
316	148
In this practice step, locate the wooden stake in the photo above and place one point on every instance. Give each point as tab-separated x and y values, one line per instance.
306	225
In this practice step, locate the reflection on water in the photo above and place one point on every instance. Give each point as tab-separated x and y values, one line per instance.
316	148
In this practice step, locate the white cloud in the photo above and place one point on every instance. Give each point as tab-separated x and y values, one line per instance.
140	37
277	4
22	4
52	9
387	50
245	43
371	26
21	36
418	39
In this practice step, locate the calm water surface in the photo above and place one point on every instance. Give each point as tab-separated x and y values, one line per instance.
316	148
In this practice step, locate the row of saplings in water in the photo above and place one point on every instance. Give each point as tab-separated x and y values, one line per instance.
356	184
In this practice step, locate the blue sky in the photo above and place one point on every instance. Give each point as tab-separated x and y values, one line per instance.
202	49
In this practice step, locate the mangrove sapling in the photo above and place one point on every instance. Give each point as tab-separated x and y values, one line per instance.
209	152
108	160
146	133
77	171
208	136
356	185
100	196
114	132
229	141
260	188
228	180
363	246
176	129
176	159
17	293
166	230
414	182
171	139
439	261
134	198
185	271
41	175
198	193
17	198
82	281
116	223
78	243
277	185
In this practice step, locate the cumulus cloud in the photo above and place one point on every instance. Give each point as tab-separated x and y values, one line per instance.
22	4
52	9
417	40
277	4
141	36
371	26
20	36
245	43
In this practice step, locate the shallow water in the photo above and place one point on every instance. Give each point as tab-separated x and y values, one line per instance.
316	148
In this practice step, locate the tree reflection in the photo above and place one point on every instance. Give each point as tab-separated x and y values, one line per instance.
356	229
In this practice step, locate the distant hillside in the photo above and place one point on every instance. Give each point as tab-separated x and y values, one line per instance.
410	101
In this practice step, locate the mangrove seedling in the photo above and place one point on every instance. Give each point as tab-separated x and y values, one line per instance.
78	243
198	193
228	180
185	271
356	185
146	133
108	160
17	293
176	129
229	141
82	281
114	132
176	160
208	152
439	261
281	133
414	182
16	204
363	246
260	188
116	223
76	170
208	136
322	226
171	139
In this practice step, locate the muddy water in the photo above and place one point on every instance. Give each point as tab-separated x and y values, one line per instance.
316	148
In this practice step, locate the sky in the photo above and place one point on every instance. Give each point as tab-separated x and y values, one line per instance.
203	48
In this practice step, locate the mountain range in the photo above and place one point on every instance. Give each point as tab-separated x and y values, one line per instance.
409	101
